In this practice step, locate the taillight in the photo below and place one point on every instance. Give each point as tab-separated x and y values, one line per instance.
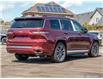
10	35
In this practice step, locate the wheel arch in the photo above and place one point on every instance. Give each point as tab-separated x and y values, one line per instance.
96	41
63	41
3	37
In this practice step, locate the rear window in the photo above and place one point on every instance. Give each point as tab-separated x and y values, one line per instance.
35	23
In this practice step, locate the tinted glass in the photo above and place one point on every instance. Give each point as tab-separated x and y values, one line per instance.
66	25
77	26
54	24
27	23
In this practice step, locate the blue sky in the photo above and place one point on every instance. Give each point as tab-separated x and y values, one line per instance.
12	9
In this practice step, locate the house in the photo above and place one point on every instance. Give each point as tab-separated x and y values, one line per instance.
50	9
92	18
4	24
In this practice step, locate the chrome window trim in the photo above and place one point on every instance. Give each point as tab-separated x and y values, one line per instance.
73	25
44	23
60	24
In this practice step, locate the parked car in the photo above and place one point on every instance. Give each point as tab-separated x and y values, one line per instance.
98	34
3	36
53	37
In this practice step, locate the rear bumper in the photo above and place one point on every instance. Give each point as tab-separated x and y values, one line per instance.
43	48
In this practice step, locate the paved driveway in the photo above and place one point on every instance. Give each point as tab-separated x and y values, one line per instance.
74	66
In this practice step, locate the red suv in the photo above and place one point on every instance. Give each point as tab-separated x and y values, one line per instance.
53	37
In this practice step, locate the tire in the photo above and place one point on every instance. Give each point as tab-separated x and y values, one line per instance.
59	53
21	57
94	52
3	40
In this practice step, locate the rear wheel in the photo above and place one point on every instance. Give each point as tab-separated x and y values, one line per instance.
59	54
94	52
21	57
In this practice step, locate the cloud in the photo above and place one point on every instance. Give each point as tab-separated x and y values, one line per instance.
69	3
25	3
11	4
5	6
52	0
64	3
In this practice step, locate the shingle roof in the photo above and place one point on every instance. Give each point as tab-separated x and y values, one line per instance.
100	10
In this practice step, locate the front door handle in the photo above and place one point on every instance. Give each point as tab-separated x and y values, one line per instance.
65	33
80	33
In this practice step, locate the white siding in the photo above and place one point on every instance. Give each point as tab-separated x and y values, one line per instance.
95	18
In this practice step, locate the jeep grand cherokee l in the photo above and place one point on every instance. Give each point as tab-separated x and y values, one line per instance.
53	37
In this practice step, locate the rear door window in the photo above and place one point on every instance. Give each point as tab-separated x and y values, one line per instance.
54	24
66	25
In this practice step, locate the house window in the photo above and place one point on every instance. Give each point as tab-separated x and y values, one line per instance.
97	19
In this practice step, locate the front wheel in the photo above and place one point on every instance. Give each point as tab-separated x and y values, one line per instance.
94	52
21	57
59	54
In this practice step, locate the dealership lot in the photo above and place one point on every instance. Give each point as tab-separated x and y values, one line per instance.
74	66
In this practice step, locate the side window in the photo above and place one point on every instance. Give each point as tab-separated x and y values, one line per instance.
77	26
54	24
66	25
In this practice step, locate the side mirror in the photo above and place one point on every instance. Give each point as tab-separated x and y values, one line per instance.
85	30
